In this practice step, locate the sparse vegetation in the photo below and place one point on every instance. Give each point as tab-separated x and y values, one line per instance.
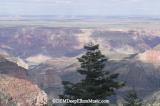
6	100
131	99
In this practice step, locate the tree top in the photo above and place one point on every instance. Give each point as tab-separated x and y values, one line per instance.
91	46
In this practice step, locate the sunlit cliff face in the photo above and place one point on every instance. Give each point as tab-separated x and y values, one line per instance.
151	56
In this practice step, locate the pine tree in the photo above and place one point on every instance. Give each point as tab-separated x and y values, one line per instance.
132	99
97	84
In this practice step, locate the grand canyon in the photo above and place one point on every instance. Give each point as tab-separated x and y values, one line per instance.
36	56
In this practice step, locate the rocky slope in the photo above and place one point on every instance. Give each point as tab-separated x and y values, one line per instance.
143	77
16	87
153	99
22	92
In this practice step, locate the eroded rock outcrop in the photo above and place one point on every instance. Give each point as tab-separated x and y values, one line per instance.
22	92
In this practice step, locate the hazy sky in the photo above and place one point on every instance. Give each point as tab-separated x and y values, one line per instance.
80	7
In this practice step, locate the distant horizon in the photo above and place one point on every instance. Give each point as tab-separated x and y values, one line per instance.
83	16
76	17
